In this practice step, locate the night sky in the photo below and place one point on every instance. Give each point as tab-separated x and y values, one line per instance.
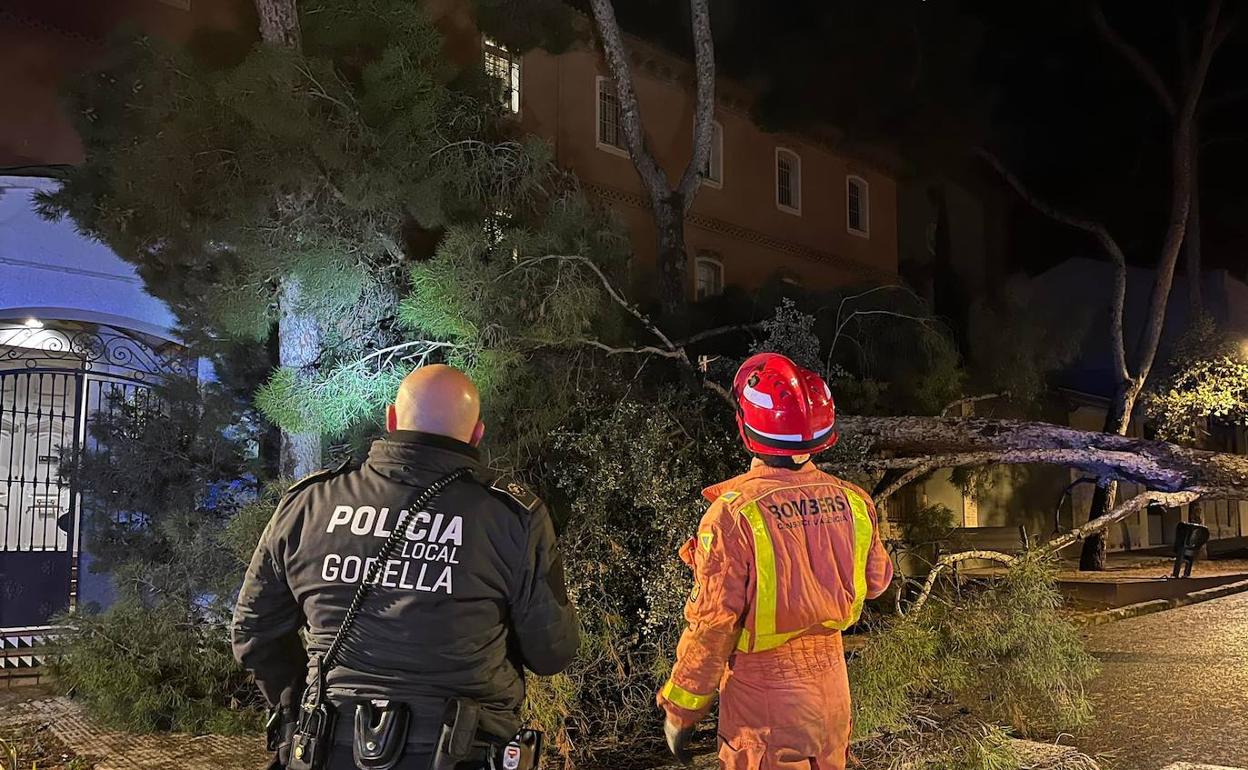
1033	82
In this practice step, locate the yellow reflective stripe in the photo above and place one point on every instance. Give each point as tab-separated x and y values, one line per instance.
683	698
764	577
765	636
862	551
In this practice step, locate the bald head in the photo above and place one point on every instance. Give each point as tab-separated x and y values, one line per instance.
438	399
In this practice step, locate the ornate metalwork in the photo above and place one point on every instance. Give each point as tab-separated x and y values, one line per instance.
90	346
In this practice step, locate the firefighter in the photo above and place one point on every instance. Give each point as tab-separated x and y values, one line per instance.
782	562
474	596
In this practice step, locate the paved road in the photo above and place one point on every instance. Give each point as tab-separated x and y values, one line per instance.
1173	687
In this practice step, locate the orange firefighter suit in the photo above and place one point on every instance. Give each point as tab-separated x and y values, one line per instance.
782	563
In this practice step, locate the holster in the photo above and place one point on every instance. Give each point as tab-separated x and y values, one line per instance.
461	741
458	734
314	732
380	735
279	732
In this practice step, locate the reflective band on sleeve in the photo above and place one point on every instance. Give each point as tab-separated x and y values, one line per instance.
683	698
863	534
765	578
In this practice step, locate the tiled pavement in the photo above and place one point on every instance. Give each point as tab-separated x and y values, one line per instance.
124	751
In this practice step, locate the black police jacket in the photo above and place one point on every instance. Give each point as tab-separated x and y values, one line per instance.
474	594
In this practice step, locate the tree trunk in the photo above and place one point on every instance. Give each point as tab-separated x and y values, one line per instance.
1117	420
299	345
961	442
298	334
1195	296
668	204
279	23
673	259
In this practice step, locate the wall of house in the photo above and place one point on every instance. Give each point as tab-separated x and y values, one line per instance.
51	270
738	221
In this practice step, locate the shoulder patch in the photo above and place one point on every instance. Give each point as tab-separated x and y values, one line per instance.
728	497
315	476
516	492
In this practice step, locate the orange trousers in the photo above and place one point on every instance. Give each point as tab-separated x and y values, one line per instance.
787	708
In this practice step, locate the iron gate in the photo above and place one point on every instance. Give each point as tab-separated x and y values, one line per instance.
45	425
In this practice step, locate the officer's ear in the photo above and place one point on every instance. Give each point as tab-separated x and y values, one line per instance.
478	433
392	419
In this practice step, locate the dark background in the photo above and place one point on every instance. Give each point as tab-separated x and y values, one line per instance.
1033	82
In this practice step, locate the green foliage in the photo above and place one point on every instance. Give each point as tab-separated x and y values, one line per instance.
1003	653
225	181
160	480
157	667
886	354
1205	380
923	534
244	528
627	479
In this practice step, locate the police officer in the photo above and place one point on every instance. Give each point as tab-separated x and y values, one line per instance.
472	596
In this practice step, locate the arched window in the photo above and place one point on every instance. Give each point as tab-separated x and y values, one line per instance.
857	206
788	181
708	276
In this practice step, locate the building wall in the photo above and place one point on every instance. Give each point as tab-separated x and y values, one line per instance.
51	270
739	221
46	43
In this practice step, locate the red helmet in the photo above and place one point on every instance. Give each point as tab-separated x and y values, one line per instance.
783	409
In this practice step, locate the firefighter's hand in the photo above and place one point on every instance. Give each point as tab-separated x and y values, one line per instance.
678	737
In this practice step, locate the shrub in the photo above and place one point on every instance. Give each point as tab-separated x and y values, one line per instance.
156	668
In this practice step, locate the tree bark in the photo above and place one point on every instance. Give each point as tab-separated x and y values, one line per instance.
1192	242
948	442
299	346
279	23
668	203
299	334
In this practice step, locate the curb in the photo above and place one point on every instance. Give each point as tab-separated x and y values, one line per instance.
1157	605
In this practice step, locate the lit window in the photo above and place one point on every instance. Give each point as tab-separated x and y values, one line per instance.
788	181
610	127
713	169
857	206
709	277
504	68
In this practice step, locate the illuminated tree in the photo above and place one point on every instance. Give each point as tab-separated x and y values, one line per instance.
285	190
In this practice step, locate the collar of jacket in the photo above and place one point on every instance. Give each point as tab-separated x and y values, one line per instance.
758	470
403	453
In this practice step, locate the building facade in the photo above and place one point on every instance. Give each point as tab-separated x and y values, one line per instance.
770	204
